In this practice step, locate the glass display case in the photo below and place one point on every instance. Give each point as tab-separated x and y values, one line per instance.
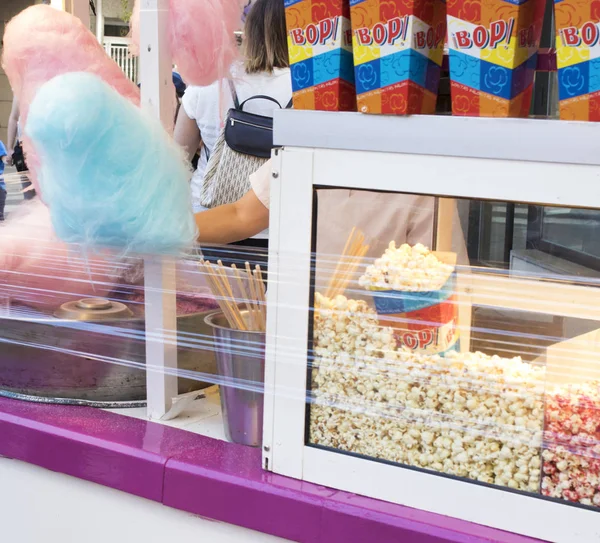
404	366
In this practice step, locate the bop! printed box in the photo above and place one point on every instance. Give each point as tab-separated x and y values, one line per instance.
398	50
422	321
320	49
578	58
493	55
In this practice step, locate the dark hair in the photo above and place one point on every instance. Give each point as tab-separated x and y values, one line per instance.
265	39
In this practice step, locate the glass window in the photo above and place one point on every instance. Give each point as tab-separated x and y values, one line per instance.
425	357
571	234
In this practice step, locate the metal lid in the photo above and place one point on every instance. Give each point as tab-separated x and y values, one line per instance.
93	309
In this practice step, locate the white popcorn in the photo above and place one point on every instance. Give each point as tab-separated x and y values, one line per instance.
465	414
350	326
406	268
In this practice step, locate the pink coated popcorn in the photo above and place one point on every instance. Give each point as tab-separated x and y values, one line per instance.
571	466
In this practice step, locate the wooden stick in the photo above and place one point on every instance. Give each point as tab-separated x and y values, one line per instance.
218	293
262	297
225	279
239	318
253	296
344	281
251	312
215	290
252	286
351	270
347	266
260	304
330	286
346	263
353	245
348	240
344	278
236	323
259	288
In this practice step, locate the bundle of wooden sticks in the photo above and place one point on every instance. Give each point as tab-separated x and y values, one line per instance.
253	297
354	251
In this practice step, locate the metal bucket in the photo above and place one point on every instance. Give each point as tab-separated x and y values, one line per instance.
241	368
47	359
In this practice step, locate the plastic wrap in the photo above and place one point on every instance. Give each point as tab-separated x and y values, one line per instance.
39	270
475	373
201	37
110	174
439	365
464	414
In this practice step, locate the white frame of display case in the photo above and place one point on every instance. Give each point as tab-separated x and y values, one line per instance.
437	156
160	285
159	277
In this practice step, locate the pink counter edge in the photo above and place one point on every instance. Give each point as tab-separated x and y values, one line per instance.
213	479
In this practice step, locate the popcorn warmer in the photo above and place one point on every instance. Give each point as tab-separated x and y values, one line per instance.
476	395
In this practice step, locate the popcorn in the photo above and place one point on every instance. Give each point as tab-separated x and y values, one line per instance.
406	268
464	414
571	455
350	326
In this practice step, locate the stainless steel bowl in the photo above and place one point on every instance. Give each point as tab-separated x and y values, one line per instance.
93	360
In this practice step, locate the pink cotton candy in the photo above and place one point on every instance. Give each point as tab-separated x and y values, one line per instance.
43	42
40	271
201	36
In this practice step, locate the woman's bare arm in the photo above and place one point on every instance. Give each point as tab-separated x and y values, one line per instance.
233	222
187	133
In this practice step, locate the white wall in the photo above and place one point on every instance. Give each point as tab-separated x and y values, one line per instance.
40	505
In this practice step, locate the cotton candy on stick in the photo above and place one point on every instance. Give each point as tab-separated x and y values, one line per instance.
201	37
43	42
110	174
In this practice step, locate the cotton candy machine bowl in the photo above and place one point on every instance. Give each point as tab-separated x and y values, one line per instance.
97	358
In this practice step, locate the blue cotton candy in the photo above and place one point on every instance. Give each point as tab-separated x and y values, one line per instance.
111	175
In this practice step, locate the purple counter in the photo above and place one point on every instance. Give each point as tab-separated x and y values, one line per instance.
213	479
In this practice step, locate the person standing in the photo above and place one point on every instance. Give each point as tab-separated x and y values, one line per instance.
261	83
15	149
264	72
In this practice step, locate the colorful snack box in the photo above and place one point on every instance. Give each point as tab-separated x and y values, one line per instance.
422	321
493	55
578	58
320	49
398	50
425	321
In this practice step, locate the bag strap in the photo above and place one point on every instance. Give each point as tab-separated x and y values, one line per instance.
236	104
234	96
258	97
239	106
289	105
